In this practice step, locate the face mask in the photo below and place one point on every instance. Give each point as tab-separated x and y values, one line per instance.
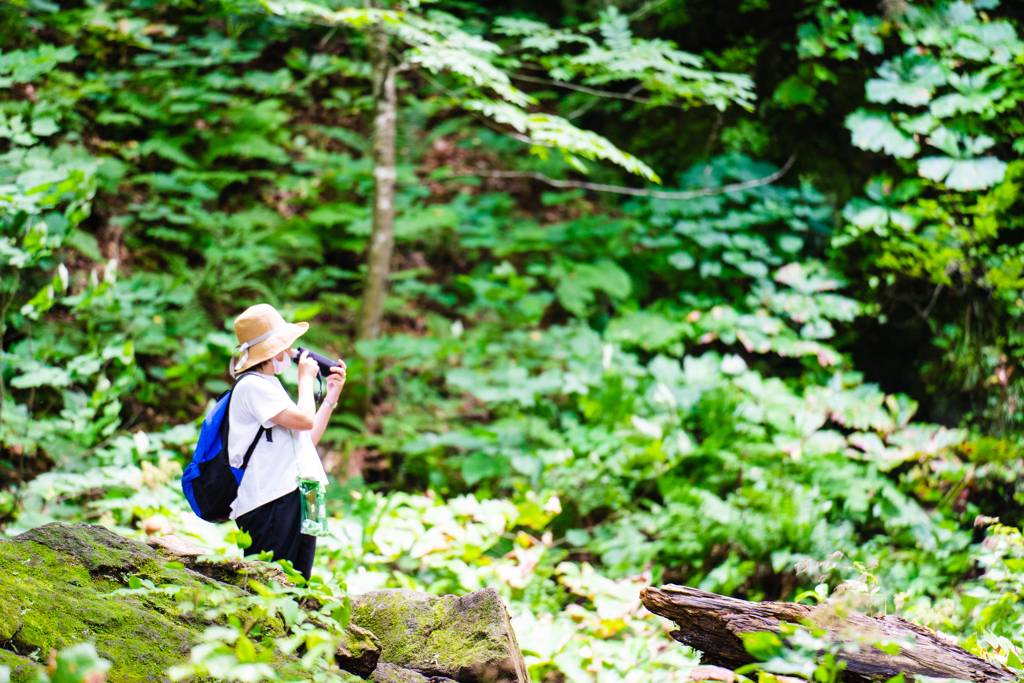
281	365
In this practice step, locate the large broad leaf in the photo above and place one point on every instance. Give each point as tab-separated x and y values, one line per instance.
963	174
875	132
649	331
682	260
247	145
36	374
960	103
866	215
959	145
576	289
910	80
23	66
168	149
480	466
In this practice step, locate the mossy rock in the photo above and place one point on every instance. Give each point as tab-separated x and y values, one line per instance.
56	589
389	673
23	669
359	651
228	570
466	638
55	585
98	549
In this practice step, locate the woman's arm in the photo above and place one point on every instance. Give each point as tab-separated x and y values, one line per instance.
335	383
302	415
320	420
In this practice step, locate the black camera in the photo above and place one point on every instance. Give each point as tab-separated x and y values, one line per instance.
325	363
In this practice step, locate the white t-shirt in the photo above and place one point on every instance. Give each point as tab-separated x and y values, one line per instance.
275	467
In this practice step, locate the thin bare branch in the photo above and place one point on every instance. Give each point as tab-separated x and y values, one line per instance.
514	135
649	7
594	100
584	89
637	192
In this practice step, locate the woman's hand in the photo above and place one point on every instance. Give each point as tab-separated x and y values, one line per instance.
335	383
301	416
308	368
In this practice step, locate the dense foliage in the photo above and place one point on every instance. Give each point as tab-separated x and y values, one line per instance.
788	363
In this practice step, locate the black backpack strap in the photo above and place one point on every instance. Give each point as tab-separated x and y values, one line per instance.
252	446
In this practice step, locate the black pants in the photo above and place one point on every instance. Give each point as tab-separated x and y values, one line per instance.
274	526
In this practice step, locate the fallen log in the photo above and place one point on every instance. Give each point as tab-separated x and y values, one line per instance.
712	623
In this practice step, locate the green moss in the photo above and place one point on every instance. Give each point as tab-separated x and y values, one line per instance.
106	554
23	669
48	600
56	589
359	651
98	549
467	638
389	673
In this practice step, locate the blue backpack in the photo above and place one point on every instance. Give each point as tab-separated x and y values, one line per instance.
210	482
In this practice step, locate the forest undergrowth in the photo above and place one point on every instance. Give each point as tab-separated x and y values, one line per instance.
804	387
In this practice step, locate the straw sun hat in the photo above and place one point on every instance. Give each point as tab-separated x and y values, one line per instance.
262	334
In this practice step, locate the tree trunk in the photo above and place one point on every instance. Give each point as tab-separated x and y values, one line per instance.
712	624
382	241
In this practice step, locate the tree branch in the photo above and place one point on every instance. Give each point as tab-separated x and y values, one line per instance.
585	107
584	89
636	192
483	119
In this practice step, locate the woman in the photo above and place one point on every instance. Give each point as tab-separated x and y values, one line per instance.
268	506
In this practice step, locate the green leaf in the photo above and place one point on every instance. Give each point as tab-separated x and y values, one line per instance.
107	117
245	650
44	126
240	538
753	268
791	244
864	214
576	288
479	466
561	134
168	150
265	82
963	174
76	663
910	80
795	91
682	260
762	645
648	330
350	137
35	374
971	645
134	583
25	66
876	132
342	613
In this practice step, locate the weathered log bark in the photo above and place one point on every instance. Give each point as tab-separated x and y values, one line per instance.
712	624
